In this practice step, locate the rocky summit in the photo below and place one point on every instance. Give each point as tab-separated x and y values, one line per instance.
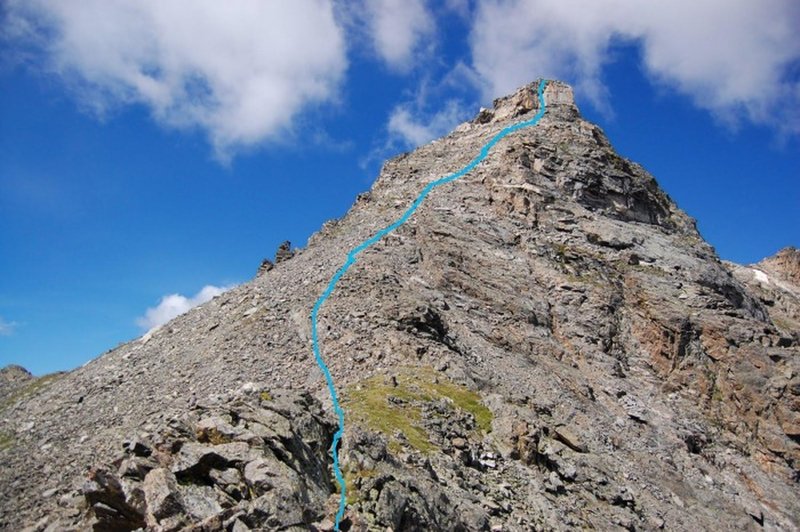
547	344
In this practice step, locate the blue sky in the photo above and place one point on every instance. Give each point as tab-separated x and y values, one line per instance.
152	153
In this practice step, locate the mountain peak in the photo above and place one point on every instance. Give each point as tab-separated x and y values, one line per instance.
546	332
558	96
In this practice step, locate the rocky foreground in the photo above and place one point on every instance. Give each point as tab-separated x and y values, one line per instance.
548	344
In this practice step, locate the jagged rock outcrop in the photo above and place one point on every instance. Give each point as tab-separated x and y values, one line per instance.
284	252
259	462
548	343
265	266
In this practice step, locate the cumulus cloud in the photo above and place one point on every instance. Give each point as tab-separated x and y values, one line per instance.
174	305
732	57
413	128
239	70
398	28
7	327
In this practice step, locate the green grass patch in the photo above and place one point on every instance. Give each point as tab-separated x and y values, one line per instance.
467	400
395	407
214	437
353	479
590	279
561	251
716	394
688	240
6	441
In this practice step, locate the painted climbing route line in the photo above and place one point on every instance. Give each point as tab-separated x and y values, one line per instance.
351	259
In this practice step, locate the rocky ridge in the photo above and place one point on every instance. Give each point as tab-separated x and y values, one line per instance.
547	344
12	378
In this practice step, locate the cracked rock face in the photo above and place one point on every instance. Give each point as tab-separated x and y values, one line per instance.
548	343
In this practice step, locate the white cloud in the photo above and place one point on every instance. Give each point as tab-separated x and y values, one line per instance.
7	327
460	7
730	56
414	129
174	305
240	70
398	28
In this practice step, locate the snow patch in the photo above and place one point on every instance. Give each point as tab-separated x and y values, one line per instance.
761	277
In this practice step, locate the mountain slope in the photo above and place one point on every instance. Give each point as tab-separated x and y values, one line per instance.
547	343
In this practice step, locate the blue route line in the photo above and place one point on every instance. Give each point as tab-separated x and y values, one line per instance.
351	259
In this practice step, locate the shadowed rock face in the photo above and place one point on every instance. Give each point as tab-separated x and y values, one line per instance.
547	344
